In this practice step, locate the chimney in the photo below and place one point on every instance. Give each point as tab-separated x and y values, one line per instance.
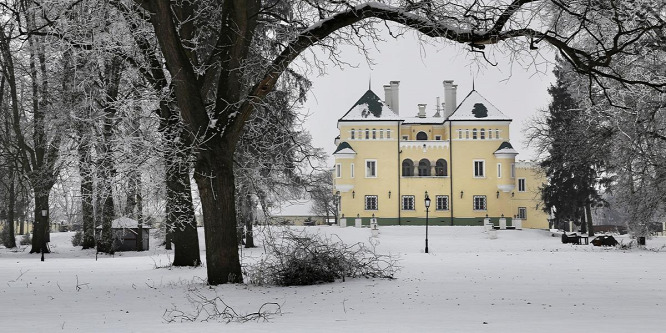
387	96
438	114
422	110
395	97
449	97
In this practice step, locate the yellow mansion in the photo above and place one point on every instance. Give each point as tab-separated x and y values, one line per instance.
460	157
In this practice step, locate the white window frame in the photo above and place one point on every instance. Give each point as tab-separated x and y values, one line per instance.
513	170
411	202
483	169
497	134
482	134
366	168
437	201
381	134
352	170
522	213
524	185
483	201
353	135
369	207
466	134
338	170
388	133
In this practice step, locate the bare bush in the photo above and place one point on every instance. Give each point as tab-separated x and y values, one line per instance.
297	258
215	309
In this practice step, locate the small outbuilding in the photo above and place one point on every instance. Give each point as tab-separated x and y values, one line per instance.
125	231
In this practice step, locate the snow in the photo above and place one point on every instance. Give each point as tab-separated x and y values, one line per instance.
523	281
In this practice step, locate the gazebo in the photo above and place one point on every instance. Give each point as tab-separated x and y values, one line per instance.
125	231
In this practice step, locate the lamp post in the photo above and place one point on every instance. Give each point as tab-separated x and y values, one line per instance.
45	221
427	205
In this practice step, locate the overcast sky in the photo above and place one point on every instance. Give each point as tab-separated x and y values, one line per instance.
517	92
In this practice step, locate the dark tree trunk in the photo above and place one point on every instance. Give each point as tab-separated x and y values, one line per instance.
181	220
215	178
139	216
112	76
10	242
86	173
249	221
588	219
41	227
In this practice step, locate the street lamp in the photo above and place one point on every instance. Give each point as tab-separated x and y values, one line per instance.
427	205
45	225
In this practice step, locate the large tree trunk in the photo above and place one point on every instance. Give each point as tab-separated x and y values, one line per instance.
181	220
41	227
87	207
84	151
215	179
112	74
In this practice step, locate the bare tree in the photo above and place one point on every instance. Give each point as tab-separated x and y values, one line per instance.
212	48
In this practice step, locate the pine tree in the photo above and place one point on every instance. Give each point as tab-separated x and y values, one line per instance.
575	146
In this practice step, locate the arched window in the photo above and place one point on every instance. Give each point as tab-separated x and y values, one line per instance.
483	134
367	134
388	133
440	167
421	136
381	133
467	134
474	134
374	133
490	134
497	134
424	167
352	134
459	134
407	168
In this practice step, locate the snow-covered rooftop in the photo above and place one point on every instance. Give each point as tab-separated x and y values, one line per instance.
476	107
370	107
344	148
125	223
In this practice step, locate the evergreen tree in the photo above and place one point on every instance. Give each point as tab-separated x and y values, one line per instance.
575	148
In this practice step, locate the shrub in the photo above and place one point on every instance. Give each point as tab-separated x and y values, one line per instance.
4	236
77	239
26	239
305	259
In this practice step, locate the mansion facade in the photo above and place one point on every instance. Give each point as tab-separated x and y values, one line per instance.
460	157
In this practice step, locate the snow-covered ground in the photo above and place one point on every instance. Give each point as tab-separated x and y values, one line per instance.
523	281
